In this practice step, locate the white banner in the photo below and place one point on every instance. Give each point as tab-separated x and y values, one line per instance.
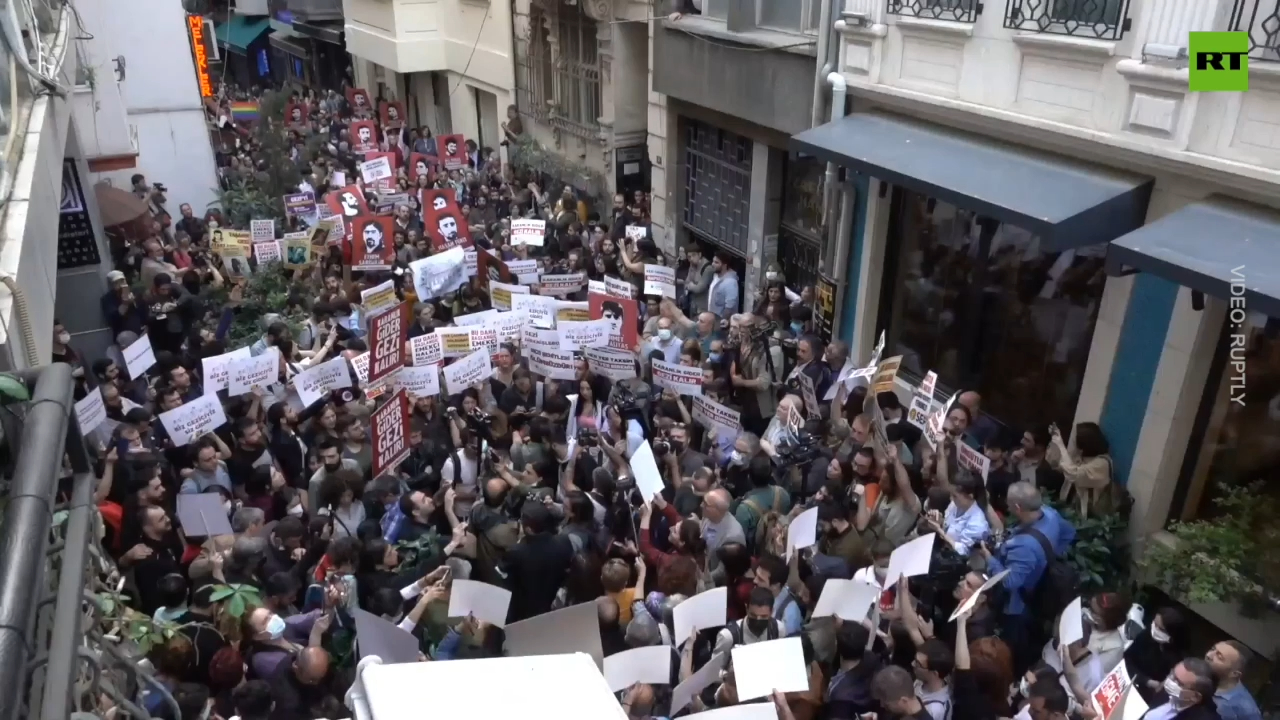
524	270
612	363
314	382
377	300
713	416
138	357
527	232
618	287
215	369
541	309
426	350
193	420
579	335
677	378
455	342
91	412
261	230
660	280
266	252
481	318
510	324
439	274
419	380
552	364
360	364
379	168
468	371
561	283
636	232
253	372
532	338
502	294
918	413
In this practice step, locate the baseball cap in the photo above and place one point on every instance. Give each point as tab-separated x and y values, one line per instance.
114	276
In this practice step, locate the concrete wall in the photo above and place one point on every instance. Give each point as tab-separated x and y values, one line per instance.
160	95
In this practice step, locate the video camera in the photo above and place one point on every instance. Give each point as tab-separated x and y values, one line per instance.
588	437
801	450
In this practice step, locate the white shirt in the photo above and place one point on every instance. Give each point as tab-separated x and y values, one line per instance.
966	528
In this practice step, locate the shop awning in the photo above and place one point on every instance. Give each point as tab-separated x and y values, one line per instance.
240	32
1066	203
1207	246
283	37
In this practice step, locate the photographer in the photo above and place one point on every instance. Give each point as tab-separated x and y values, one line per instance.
460	474
753	374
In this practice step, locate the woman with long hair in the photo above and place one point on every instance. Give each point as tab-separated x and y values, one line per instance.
681	571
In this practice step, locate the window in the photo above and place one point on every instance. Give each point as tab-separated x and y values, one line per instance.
716	193
801	238
1261	19
1101	19
954	10
981	304
1238	446
786	15
535	77
577	73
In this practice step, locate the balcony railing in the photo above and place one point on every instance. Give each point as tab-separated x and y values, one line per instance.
965	11
1098	19
1261	19
313	10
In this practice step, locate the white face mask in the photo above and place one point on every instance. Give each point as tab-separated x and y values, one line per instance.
664	334
1024	688
275	627
64	338
771	276
226	506
296	510
1159	635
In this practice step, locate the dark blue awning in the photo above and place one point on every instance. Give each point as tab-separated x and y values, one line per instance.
1066	203
1207	246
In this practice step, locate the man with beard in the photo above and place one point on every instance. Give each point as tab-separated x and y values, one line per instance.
374	240
331	461
250	450
447	224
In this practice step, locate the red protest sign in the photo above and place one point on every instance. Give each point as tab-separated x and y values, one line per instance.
390	427
1109	694
386	344
372	248
443	221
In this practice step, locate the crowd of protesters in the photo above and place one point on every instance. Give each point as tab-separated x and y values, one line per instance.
525	482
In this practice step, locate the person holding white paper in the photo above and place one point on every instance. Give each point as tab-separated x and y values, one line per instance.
965	522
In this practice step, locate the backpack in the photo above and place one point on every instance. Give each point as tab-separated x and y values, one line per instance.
773	633
757	535
1058	585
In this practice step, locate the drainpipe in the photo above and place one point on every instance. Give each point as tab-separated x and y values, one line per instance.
839	91
824	63
22	312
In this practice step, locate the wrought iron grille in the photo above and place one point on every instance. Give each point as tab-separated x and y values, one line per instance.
965	11
577	74
1262	21
1100	19
799	256
717	184
535	77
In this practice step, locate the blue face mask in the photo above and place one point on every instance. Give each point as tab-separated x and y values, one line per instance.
714	357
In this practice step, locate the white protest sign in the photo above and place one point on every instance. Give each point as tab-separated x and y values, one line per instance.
803	531
215	369
973	598
193	420
846	599
973	460
360	364
707	609
253	372
378	299
91	412
502	293
426	349
677	378
910	560
524	270
552	364
644	467
618	287
379	168
650	664
481	318
928	384
528	232
561	283
1115	693
419	380
1071	624
761	668
660	280
596	287
636	232
138	357
455	342
314	382
532	338
485	338
575	335
262	230
339	180
918	413
612	363
510	324
714	416
266	252
468	371
439	274
541	309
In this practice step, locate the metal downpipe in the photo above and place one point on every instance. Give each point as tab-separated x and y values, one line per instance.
839	93
24	536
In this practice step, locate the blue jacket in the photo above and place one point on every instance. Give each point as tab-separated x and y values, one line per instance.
723	301
1024	558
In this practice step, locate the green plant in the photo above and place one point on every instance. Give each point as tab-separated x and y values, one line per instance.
1100	553
527	153
259	194
236	598
265	291
1224	557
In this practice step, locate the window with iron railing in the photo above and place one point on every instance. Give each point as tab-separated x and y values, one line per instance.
1098	19
1261	19
535	74
577	73
794	16
965	11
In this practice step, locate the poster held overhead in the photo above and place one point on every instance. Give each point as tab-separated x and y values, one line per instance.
138	357
383	638
389	427
453	151
202	515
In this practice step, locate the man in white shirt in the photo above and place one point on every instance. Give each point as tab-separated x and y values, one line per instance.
461	473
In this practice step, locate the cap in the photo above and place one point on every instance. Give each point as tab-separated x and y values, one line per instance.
115	276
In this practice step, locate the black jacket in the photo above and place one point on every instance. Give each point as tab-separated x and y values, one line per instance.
535	569
1204	710
1147	660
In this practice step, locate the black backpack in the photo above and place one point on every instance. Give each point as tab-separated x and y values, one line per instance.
1058	585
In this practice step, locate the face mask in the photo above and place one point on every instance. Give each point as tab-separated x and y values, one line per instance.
296	510
797	327
737	458
664	334
64	338
1159	635
226	506
275	627
714	357
758	626
1174	691
771	276
1024	688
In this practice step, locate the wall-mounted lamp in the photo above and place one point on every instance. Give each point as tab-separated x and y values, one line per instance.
120	67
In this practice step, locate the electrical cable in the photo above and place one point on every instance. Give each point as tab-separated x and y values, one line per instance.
470	57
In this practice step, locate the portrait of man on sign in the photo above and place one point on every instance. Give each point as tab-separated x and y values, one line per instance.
348	202
420	164
359	100
441	219
364	137
296	114
372	247
391	114
453	151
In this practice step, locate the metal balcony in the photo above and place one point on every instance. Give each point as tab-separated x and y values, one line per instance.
315	10
1098	19
1261	19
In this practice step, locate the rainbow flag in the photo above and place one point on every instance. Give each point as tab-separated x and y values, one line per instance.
246	111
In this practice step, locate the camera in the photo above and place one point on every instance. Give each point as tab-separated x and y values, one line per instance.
661	445
588	437
160	187
481	417
802	450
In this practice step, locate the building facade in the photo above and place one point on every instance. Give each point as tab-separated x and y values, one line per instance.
581	87
449	61
1054	220
729	86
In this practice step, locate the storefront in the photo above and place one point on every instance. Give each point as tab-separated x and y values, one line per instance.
329	63
247	56
290	56
980	261
715	191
